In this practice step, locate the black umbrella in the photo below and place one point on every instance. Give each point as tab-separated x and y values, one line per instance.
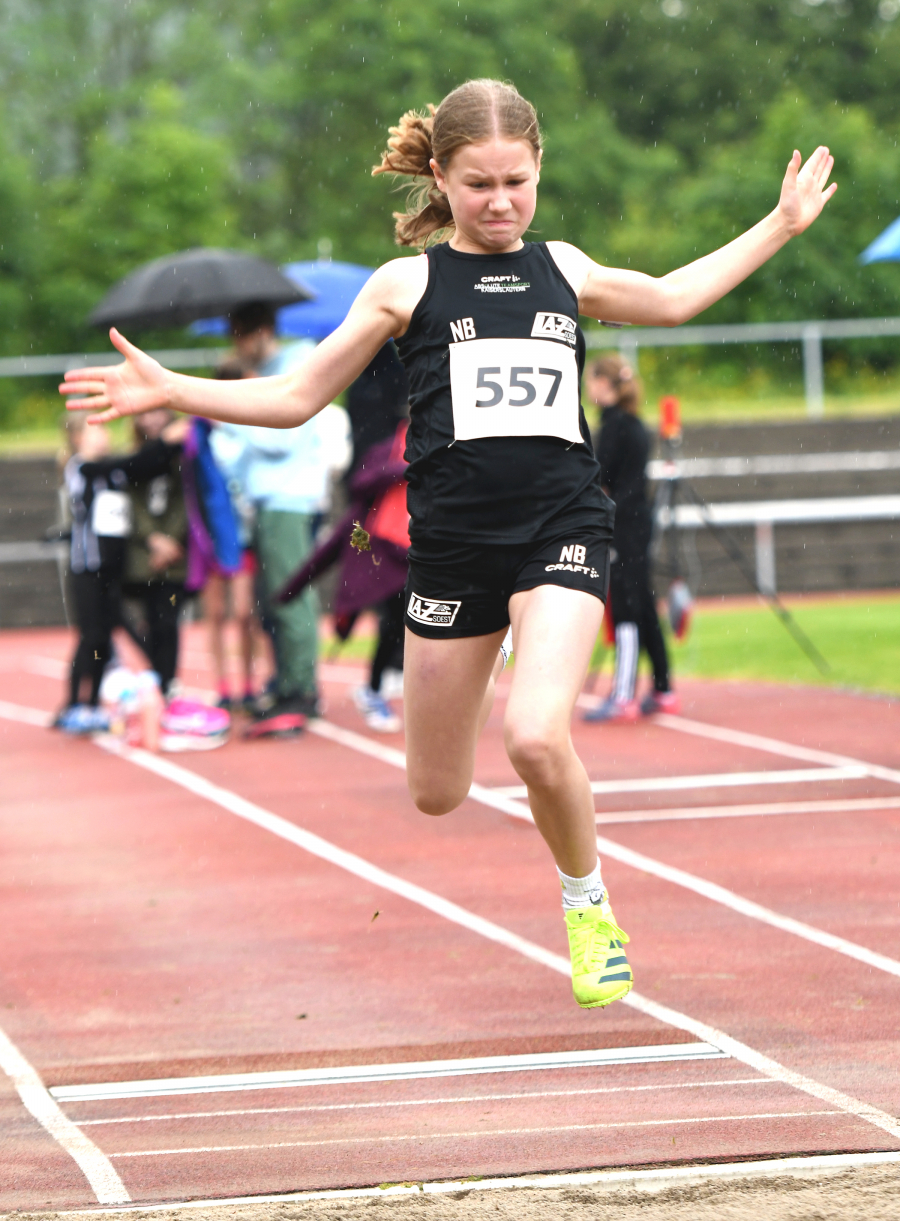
181	288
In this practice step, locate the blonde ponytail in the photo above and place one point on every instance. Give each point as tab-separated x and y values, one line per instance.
476	111
409	154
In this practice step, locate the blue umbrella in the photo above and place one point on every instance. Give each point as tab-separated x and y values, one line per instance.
885	248
333	286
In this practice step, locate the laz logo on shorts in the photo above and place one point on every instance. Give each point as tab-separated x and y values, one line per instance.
435	612
554	326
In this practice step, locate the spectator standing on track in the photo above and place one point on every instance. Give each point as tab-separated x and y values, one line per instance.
623	449
95	571
508	519
286	475
101	517
155	565
376	577
217	560
376	402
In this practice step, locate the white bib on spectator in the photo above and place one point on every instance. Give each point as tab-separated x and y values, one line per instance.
111	514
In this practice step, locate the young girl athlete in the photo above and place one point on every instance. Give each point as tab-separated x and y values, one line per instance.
509	523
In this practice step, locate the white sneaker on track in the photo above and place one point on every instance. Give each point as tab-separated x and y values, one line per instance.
377	712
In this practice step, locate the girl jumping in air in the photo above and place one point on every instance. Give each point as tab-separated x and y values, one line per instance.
508	520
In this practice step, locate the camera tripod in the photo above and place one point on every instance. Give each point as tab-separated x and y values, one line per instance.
672	491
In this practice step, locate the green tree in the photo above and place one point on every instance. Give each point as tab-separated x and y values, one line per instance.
156	187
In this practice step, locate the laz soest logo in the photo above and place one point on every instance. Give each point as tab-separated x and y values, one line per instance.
436	612
554	326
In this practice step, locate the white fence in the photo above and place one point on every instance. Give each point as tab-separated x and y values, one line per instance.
629	340
809	334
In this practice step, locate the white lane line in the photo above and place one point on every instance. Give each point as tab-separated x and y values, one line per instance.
319	847
728	898
23	715
773	746
423	1102
356	1073
520	1132
710	890
46	667
396	758
684	813
712	780
358	742
91	1161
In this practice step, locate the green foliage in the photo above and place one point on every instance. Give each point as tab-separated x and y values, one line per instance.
133	128
859	639
161	187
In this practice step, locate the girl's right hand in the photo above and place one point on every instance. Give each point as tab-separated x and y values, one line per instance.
112	391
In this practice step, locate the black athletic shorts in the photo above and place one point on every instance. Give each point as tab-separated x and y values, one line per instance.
456	590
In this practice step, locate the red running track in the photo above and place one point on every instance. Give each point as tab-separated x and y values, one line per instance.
151	933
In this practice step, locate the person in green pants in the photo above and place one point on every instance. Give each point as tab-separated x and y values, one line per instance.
286	475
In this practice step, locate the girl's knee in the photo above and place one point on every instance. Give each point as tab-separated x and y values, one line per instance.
538	755
434	797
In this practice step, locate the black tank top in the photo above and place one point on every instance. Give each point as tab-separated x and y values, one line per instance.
498	447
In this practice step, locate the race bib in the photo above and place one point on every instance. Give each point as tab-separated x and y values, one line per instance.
111	514
514	388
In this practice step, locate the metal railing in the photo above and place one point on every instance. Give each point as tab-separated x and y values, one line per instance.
41	366
629	340
764	515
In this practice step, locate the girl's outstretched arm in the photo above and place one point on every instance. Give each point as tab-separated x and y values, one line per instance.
140	383
617	295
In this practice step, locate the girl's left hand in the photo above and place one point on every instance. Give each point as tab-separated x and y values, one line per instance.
803	192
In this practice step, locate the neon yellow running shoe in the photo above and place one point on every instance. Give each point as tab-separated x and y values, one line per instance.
600	970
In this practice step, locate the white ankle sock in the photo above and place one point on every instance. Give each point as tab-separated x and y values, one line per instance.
582	892
506	647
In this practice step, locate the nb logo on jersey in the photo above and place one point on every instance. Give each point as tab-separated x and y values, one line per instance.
575	554
554	326
433	612
463	328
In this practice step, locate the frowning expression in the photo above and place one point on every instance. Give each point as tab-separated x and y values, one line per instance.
492	189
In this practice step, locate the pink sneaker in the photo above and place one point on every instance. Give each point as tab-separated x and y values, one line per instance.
624	712
660	701
195	719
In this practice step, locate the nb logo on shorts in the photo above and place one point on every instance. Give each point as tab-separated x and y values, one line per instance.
554	326
573	559
434	612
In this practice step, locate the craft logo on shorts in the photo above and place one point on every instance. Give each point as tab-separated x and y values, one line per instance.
554	326
572	558
433	611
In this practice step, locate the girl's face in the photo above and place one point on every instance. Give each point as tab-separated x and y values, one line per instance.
492	189
602	392
93	442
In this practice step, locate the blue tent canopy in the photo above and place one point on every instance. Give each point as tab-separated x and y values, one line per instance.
885	248
333	286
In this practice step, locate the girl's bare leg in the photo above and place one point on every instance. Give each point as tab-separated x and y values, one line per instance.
487	702
242	609
554	631
445	700
214	614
